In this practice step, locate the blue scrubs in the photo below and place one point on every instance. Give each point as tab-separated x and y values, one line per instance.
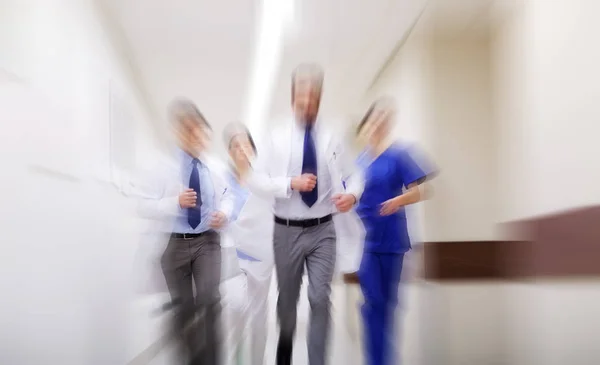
386	242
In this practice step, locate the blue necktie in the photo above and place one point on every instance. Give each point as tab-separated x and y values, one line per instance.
194	216
309	166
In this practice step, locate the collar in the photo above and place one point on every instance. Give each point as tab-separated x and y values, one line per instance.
301	128
187	158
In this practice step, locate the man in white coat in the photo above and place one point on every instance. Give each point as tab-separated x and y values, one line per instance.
304	169
188	197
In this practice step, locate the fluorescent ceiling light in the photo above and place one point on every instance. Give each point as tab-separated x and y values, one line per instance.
275	17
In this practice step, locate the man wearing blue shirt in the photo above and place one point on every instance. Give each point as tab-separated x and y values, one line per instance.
191	200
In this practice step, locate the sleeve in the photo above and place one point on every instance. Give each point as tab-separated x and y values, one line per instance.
228	204
362	161
227	201
423	160
240	201
153	203
261	181
408	169
352	175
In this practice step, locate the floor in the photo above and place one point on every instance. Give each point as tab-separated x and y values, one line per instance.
345	347
146	328
346	341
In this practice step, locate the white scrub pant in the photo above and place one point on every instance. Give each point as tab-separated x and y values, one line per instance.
245	309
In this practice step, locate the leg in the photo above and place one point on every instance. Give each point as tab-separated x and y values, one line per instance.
289	265
320	264
234	297
206	268
234	303
373	309
391	266
258	295
176	267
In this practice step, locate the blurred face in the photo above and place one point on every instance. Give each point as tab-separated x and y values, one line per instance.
307	96
193	135
240	150
377	127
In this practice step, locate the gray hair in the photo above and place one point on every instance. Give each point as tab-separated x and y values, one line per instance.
182	108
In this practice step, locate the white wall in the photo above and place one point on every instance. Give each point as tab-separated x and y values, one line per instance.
547	85
67	240
64	51
463	140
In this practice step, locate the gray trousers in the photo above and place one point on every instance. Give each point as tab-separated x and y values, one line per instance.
190	264
295	247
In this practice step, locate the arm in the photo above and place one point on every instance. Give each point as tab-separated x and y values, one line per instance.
412	175
411	196
227	205
226	195
261	180
352	176
238	206
153	203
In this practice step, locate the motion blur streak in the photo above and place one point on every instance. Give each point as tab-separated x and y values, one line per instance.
275	18
498	97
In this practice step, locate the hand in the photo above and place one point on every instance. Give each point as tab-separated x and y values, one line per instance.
187	199
344	202
218	220
389	207
304	182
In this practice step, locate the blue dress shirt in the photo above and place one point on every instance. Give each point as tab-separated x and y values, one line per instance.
207	193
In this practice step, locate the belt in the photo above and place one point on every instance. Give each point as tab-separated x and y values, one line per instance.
189	236
304	223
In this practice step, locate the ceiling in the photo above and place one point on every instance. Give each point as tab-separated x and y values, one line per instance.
204	49
461	17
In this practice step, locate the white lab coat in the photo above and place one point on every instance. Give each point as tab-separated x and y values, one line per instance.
350	234
234	301
270	180
245	296
252	231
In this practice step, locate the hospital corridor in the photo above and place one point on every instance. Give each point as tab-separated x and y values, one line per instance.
307	182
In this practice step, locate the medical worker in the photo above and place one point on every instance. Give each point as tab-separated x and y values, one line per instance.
391	182
251	233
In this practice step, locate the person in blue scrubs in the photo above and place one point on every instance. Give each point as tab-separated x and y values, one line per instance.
391	182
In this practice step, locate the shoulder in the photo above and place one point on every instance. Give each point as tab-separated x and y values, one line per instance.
216	165
160	162
275	129
337	130
364	159
398	150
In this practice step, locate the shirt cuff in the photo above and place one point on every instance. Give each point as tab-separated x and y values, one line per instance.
178	208
228	215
